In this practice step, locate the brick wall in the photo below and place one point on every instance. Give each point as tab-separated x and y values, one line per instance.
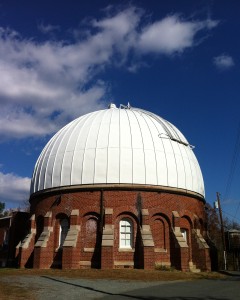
89	250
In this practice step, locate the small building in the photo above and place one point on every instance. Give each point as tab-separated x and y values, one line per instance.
117	188
232	238
13	229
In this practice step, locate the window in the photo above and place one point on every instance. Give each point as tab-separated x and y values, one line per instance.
126	233
184	234
64	225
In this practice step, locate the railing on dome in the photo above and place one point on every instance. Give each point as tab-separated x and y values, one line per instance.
168	134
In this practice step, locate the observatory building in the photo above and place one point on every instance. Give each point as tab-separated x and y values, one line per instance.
117	188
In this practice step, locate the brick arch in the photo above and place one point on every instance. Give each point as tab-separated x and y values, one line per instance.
132	256
135	223
56	227
91	239
186	222
196	223
128	213
162	215
57	247
90	229
160	226
61	215
186	225
188	216
92	214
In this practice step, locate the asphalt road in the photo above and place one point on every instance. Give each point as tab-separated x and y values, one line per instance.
227	289
59	288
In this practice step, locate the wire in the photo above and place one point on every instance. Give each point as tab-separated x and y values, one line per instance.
233	168
234	217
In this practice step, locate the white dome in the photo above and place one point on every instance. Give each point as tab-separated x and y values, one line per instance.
118	146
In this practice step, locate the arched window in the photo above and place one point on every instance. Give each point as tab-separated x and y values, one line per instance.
64	226
126	233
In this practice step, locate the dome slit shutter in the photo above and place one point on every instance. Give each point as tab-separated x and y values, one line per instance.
66	164
153	142
88	155
79	128
136	114
130	128
97	146
59	156
49	170
163	147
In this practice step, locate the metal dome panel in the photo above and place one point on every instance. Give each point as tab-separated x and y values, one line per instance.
121	146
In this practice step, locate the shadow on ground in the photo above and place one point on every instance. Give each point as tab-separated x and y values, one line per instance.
130	295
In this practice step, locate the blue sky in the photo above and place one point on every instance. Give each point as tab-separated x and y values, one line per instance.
178	59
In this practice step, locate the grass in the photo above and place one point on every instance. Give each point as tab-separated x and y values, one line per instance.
13	290
124	274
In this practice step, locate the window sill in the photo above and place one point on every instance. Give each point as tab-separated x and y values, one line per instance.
126	250
88	249
160	250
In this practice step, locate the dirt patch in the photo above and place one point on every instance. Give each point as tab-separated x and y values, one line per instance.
14	290
144	275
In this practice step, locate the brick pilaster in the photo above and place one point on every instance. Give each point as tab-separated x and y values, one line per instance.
71	246
44	247
147	240
107	241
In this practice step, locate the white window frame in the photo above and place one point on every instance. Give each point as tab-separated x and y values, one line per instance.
63	230
125	234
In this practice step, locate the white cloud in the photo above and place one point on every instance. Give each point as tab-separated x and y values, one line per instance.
172	35
167	36
47	28
223	62
14	189
46	84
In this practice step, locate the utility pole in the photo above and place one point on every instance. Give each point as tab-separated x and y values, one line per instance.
222	231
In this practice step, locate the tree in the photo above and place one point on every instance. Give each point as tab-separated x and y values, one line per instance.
2	207
228	224
213	226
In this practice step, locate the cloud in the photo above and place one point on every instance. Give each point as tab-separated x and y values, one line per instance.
223	62
45	84
14	189
48	28
172	35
